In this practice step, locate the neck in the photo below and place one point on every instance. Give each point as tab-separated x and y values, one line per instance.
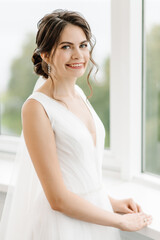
63	88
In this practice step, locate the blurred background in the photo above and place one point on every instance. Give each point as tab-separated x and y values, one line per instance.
18	26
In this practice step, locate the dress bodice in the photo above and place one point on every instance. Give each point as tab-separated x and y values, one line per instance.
80	160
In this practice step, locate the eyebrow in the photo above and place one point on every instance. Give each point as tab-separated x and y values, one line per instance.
72	43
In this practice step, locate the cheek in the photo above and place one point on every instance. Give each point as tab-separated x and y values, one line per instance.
87	55
62	57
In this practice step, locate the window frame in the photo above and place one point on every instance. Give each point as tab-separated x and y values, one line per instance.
125	84
125	155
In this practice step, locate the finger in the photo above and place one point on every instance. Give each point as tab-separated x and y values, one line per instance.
128	210
147	219
139	208
133	206
150	220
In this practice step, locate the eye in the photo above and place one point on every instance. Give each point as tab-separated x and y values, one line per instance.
84	45
66	47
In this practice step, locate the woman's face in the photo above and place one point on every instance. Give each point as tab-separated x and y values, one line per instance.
72	54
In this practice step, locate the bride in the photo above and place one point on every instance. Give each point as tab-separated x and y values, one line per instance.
57	192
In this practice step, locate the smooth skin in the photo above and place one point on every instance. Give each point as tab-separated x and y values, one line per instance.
40	140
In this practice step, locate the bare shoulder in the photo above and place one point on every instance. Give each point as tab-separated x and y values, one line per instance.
33	108
36	124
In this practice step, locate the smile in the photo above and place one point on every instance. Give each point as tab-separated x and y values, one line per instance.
76	65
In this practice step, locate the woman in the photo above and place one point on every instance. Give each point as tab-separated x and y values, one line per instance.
61	192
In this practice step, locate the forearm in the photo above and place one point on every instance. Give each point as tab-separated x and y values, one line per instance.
79	208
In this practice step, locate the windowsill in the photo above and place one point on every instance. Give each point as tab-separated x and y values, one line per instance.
145	190
9	144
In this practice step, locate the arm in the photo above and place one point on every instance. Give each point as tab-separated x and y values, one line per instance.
40	141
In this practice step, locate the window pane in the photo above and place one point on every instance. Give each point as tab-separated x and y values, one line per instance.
151	61
18	36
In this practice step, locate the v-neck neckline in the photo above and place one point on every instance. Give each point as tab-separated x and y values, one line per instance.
75	116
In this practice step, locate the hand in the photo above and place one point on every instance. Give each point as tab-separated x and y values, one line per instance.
125	206
134	222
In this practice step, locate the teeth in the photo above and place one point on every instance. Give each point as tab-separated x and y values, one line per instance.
75	65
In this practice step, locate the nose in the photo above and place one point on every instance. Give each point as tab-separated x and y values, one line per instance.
77	54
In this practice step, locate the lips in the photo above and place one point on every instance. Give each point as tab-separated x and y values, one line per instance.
75	65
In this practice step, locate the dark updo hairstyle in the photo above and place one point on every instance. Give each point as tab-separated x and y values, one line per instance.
50	28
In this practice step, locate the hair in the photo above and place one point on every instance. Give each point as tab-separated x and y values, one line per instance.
50	28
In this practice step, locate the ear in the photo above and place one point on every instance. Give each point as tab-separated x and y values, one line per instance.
45	57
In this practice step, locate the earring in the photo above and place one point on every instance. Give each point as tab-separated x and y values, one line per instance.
49	69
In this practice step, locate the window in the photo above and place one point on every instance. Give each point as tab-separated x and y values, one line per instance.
18	36
151	87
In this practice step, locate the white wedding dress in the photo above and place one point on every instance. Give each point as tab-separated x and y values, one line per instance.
30	216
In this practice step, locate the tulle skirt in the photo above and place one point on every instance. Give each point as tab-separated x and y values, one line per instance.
44	223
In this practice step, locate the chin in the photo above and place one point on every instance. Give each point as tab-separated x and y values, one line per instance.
78	74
